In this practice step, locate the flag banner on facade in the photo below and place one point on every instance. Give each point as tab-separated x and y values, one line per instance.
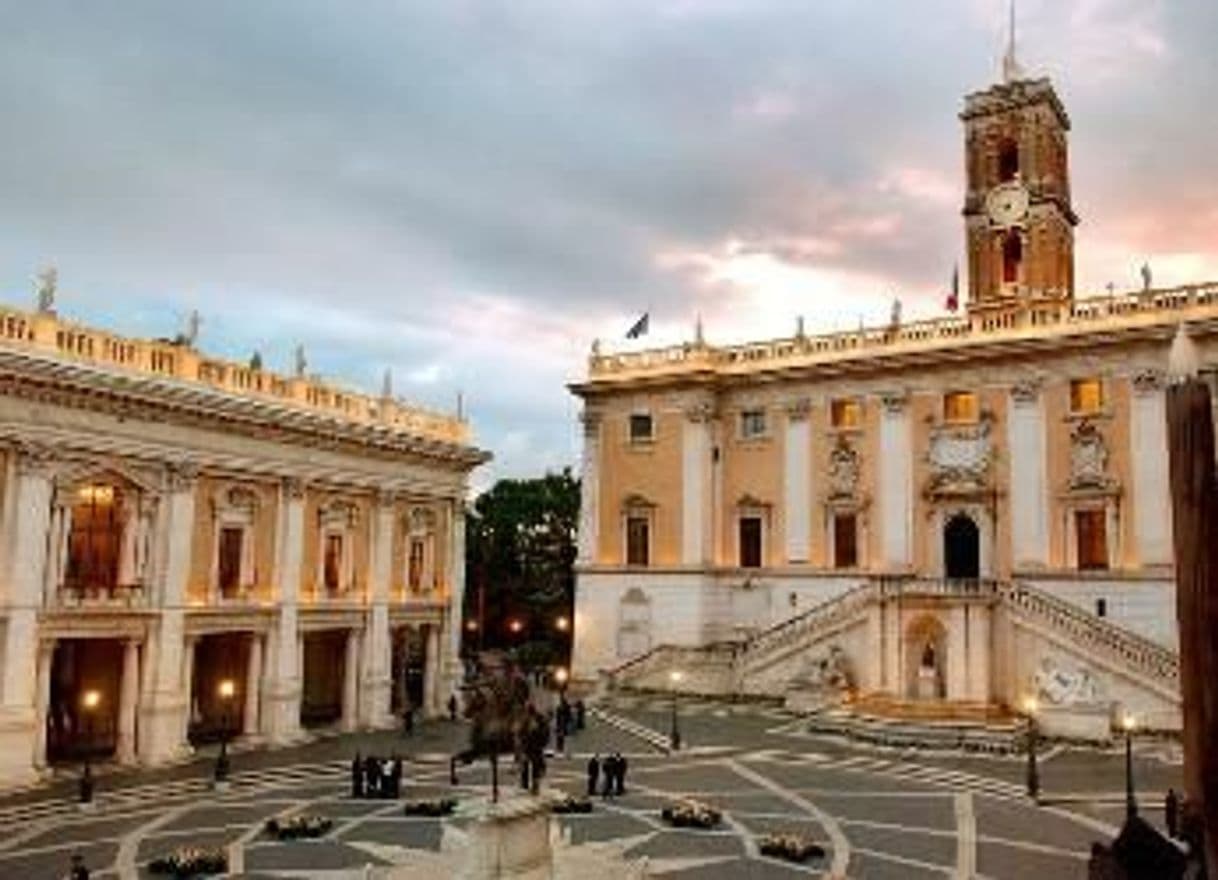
640	328
953	298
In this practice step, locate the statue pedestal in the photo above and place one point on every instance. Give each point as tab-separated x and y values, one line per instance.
510	839
1091	722
928	683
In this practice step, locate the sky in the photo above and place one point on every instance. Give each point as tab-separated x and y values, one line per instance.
469	193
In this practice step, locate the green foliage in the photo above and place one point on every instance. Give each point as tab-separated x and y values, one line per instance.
520	555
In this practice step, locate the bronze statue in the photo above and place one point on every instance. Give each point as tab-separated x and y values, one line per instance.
497	705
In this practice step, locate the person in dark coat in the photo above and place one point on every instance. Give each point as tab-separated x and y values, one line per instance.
1171	813
560	731
78	870
581	718
452	708
408	720
357	777
372	776
620	774
594	771
608	769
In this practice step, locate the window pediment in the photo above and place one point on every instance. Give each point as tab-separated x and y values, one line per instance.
637	501
338	514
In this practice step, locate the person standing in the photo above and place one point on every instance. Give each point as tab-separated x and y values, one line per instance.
78	870
395	777
357	777
408	719
452	708
620	772
580	715
594	771
560	731
608	770
1171	813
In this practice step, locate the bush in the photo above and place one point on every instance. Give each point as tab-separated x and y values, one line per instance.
790	847
433	808
298	827
190	861
691	814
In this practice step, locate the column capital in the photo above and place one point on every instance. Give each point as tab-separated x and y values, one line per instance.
894	401
294	487
181	475
1026	391
591	420
1148	381
798	409
35	458
386	497
700	412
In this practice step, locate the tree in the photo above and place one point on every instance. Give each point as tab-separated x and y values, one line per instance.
520	558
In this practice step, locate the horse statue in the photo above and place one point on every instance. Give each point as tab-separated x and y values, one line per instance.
502	720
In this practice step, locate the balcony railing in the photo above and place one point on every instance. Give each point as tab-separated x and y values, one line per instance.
125	596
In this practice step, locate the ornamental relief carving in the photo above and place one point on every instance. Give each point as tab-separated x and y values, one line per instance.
1026	391
960	458
35	459
845	469
1148	381
1088	458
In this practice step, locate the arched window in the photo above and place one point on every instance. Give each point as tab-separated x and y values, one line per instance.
1012	257
420	551
1008	160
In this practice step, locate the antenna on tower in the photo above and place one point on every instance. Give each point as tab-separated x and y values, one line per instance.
1011	70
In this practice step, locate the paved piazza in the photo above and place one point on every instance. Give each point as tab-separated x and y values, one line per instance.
881	814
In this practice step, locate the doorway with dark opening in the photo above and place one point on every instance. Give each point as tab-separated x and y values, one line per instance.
961	548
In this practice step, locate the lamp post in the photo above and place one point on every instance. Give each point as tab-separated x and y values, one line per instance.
674	735
1128	723
226	690
1030	706
560	677
89	702
562	624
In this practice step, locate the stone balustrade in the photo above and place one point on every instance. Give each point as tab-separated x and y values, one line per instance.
1063	315
795	630
179	361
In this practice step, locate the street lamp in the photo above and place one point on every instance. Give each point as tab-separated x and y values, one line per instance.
89	702
515	626
560	676
1128	723
226	690
674	735
562	624
1030	706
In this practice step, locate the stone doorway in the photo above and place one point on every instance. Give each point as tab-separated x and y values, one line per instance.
220	657
323	674
961	548
76	726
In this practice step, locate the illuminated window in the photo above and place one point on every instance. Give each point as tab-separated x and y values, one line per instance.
752	423
95	540
845	540
845	413
1091	534
1086	396
333	566
418	550
960	407
638	540
750	542
641	428
232	541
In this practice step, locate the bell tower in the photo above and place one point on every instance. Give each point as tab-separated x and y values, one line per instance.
1018	218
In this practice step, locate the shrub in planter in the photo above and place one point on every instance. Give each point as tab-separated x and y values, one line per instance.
298	827
190	861
790	847
691	814
569	805
432	808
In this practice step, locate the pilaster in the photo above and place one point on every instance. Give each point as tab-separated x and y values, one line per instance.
895	489
797	482
1028	484
589	487
377	678
695	478
281	700
1151	483
455	671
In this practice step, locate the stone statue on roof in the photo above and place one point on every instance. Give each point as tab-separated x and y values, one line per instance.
45	284
301	363
193	325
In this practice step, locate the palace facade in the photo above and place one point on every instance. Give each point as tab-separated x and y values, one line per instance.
972	509
193	548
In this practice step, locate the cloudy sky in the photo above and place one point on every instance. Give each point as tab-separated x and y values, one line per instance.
470	192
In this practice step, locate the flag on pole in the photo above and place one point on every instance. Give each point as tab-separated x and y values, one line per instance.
640	327
953	298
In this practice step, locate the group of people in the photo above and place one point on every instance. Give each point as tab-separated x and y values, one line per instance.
607	774
373	777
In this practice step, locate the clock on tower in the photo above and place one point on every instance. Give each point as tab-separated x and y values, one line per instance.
1019	222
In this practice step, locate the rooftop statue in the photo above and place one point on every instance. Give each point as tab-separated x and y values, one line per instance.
45	284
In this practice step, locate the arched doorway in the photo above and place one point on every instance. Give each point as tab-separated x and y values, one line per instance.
926	659
961	547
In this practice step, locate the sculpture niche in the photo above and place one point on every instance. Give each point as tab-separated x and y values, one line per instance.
502	719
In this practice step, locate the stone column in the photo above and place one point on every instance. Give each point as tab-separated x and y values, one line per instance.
589	488
873	671
253	688
164	705
26	533
431	647
895	482
1151	481
281	701
375	687
695	484
455	672
797	482
57	543
128	699
187	681
1028	481
46	657
350	719
956	674
979	647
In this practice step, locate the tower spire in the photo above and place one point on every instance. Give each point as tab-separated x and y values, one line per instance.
1011	70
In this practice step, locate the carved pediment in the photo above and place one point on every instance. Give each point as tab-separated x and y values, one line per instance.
960	458
339	513
1088	458
637	501
748	501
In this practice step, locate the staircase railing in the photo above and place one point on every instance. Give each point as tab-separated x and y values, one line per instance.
819	617
1137	652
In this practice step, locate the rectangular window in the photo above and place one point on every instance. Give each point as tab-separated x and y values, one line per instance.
415	565
638	540
750	542
332	570
845	541
752	423
641	428
845	413
1086	396
1092	535
960	407
95	540
228	565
